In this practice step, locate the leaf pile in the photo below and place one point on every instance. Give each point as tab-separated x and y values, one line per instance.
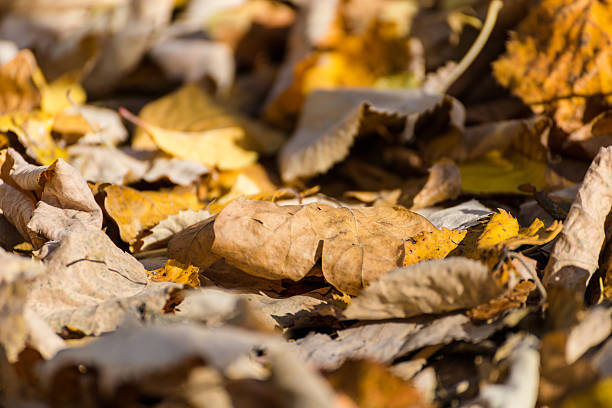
315	204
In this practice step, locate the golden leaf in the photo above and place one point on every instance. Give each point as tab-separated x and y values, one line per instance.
135	211
177	272
218	147
561	49
436	244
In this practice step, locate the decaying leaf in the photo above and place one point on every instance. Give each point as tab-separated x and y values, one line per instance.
513	299
443	183
435	286
332	120
575	256
356	246
558	58
135	211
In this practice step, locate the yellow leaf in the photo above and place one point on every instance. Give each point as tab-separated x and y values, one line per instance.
497	172
436	244
177	272
60	94
598	396
33	130
135	211
500	227
190	109
562	48
219	147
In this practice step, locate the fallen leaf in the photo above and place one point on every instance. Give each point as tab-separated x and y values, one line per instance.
520	389
181	172
20	78
373	385
584	142
332	120
457	217
358	245
443	183
171	226
597	396
66	202
176	272
430	287
556	60
104	125
515	298
215	148
575	255
92	286
135	211
106	164
191	111
591	331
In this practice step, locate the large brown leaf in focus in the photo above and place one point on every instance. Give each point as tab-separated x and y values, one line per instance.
562	48
356	246
134	211
17	81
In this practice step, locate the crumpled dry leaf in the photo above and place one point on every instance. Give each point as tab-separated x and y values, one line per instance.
135	211
92	286
560	50
585	142
192	111
332	120
430	287
181	172
575	256
171	226
104	125
20	79
19	326
513	299
356	246
66	202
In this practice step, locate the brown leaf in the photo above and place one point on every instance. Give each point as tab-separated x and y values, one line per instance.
443	183
515	298
585	142
575	256
435	286
106	164
171	226
135	211
356	246
332	120
558	51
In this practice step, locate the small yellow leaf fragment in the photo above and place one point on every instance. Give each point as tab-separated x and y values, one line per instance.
177	272
436	244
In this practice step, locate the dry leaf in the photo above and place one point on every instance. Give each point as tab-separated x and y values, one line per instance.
92	286
190	111
514	299
181	172
594	328
585	142
20	79
135	211
373	385
104	125
560	50
19	326
171	226
357	246
106	164
176	272
332	120
575	256
66	202
457	217
436	244
430	287
443	183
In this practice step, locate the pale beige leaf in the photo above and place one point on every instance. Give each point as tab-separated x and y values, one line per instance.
594	328
173	225
356	246
106	125
93	286
106	164
181	172
332	120
443	183
434	286
192	246
575	255
459	217
18	209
